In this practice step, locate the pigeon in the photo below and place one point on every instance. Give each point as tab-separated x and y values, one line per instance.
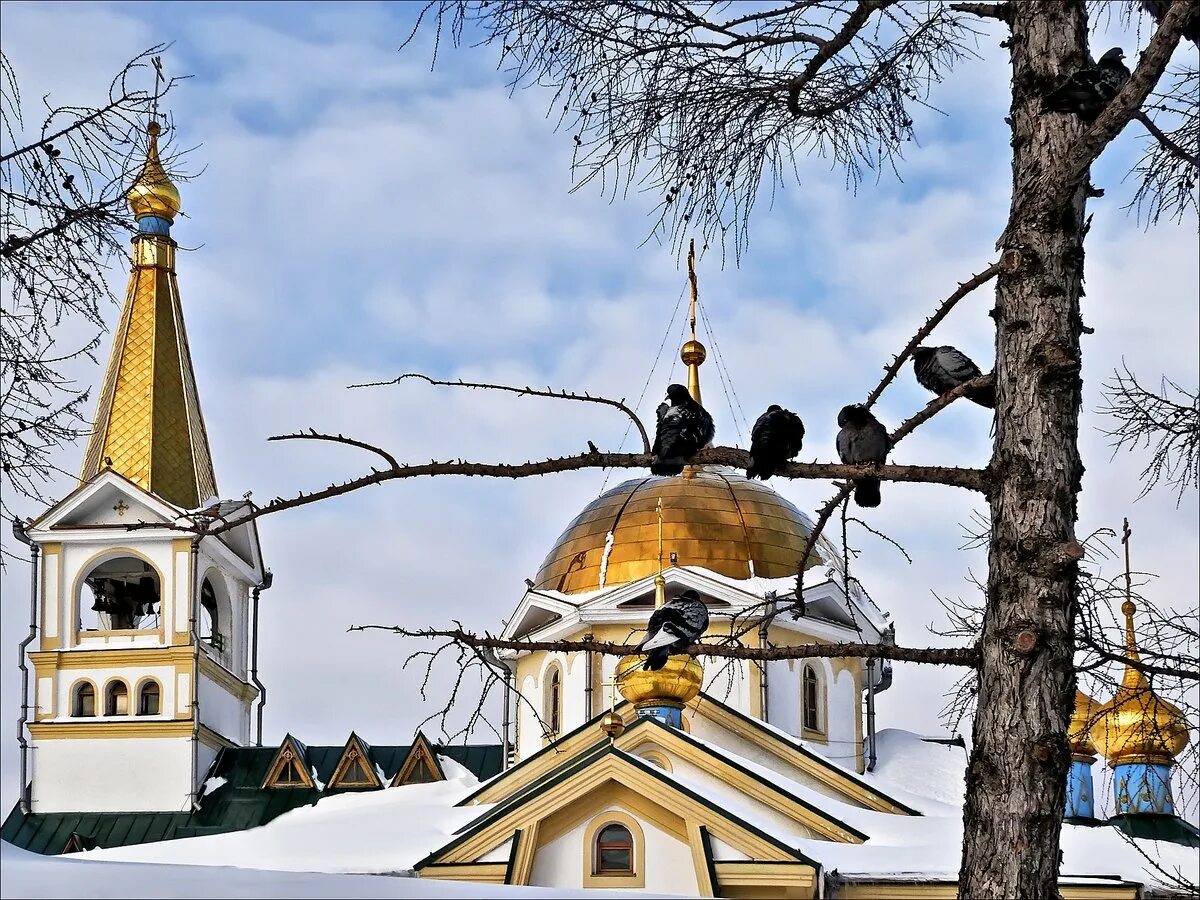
684	428
1158	9
942	369
777	437
674	627
863	439
1088	91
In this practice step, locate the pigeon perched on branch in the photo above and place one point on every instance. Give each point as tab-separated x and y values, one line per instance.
777	437
942	369
684	429
863	439
1089	90
674	627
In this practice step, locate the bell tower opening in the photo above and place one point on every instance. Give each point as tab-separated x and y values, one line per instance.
121	594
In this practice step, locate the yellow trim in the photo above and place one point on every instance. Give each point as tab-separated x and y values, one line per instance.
51	555
117	727
287	751
226	679
592	878
658	758
74	614
480	873
527	846
420	749
99	658
752	879
214	739
695	841
354	749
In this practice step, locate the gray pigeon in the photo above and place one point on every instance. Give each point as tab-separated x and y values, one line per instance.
942	369
1088	91
863	439
777	437
674	627
684	429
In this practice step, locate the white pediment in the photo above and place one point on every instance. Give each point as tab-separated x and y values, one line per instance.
107	501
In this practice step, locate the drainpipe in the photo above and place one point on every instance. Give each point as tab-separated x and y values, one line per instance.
507	717
193	623
589	681
19	533
268	578
763	628
870	715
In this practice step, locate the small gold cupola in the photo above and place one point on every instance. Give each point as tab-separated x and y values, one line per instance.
148	425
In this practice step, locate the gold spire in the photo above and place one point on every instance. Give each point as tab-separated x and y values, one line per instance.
148	425
1136	725
153	194
693	353
660	583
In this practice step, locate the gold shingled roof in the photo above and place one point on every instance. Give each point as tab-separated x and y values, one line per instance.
148	425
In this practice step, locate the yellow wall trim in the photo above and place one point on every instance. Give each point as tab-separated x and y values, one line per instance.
480	873
132	727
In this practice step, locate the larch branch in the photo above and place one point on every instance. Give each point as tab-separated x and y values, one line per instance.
313	435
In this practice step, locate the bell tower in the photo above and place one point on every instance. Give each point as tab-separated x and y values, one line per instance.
141	631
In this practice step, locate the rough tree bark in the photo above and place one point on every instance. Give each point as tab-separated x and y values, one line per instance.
1017	772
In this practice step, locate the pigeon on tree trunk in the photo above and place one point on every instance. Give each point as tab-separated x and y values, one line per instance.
942	369
684	429
674	627
1089	90
777	437
863	439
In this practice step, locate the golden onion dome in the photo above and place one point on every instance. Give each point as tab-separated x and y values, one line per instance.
678	681
713	518
153	194
1082	720
1136	725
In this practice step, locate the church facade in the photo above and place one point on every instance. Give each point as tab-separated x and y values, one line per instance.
737	778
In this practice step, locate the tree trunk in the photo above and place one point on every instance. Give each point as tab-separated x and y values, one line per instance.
1016	777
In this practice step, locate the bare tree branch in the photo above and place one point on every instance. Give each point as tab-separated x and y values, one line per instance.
524	392
313	435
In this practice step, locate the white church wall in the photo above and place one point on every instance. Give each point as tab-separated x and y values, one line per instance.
574	690
111	775
529	730
221	711
843	711
783	695
731	686
668	864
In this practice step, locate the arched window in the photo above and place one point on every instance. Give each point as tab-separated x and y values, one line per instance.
614	851
210	617
83	702
119	595
116	699
149	699
812	699
553	700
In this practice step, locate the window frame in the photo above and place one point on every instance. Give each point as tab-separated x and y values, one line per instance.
111	698
76	695
145	685
816	706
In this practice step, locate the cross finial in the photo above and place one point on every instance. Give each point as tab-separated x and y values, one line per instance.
156	61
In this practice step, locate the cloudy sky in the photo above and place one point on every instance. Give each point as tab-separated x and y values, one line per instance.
359	216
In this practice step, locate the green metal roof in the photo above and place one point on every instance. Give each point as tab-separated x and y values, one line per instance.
240	803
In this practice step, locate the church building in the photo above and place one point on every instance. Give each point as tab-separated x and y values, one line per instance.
731	778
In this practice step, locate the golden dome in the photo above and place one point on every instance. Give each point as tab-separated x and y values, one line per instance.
693	353
677	682
1136	725
713	517
153	194
1082	719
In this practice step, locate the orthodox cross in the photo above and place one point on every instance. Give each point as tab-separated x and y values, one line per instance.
121	508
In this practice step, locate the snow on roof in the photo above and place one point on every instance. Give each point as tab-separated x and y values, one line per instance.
43	877
383	831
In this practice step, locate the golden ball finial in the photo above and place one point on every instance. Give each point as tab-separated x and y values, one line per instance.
612	725
1128	608
693	353
154	194
677	682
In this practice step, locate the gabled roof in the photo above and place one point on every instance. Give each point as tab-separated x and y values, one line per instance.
75	505
356	749
290	751
419	761
610	772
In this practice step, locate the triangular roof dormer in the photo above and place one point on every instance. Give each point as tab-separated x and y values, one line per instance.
290	768
355	769
420	766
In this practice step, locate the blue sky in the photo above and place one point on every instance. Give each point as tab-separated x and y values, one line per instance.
358	216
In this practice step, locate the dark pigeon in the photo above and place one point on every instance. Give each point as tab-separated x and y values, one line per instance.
777	437
863	439
674	627
1158	9
942	369
684	429
1087	92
